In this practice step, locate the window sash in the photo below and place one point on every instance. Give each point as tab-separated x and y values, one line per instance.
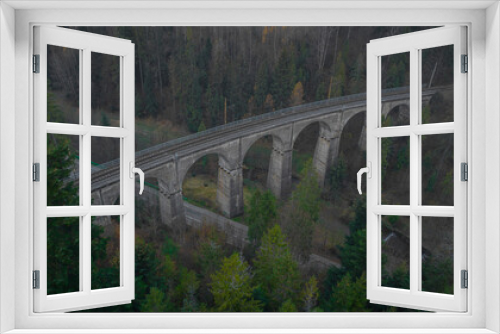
86	297
413	43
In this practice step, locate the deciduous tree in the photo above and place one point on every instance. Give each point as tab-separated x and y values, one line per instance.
232	287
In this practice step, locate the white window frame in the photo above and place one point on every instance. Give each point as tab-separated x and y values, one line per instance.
85	44
415	210
16	224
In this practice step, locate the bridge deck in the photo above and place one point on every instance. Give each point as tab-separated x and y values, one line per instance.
160	154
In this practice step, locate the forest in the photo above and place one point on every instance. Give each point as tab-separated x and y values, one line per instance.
189	79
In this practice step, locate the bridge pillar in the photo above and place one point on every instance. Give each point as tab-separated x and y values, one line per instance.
325	154
230	191
279	177
170	198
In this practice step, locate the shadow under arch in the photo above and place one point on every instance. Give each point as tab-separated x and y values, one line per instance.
304	146
397	116
199	182
351	155
256	162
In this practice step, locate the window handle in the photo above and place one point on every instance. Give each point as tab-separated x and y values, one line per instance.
135	170
368	171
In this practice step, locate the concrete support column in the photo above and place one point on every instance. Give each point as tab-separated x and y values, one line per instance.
230	191
279	177
170	198
325	154
171	206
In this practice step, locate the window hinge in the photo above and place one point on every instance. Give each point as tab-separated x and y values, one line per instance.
36	279
36	172
36	63
465	64
464	279
464	171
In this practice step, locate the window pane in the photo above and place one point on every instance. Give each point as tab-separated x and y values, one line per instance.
105	161
105	89
63	176
63	255
437	169
395	169
396	252
395	80
437	72
105	252
63	84
437	254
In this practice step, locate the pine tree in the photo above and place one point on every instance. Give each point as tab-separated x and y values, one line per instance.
304	213
350	294
261	215
155	301
288	306
357	76
261	88
232	287
353	252
276	272
340	79
310	294
284	78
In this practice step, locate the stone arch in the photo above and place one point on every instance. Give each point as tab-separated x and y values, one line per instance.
199	181
256	163
247	144
356	122
350	113
325	129
398	115
185	163
353	140
392	107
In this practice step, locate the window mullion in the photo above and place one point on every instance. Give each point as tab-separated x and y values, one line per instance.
414	170
86	238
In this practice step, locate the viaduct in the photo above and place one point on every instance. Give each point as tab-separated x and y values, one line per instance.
169	162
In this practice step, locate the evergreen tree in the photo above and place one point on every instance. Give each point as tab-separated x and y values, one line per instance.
303	213
353	252
261	215
232	287
310	294
288	306
357	76
184	294
150	104
321	93
261	88
339	81
350	294
276	272
155	301
284	78
338	173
